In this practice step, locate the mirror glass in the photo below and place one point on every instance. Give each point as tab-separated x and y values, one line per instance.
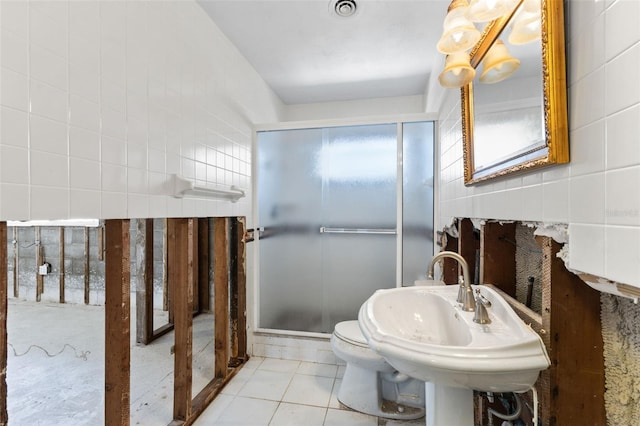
518	123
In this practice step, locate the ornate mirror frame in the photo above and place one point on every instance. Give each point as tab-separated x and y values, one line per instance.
554	98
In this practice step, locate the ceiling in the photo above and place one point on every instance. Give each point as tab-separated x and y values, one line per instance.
308	54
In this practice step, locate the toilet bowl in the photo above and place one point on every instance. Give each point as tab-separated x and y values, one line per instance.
370	385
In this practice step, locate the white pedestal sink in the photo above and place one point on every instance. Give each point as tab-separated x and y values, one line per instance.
422	332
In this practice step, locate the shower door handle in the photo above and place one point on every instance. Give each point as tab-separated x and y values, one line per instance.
376	231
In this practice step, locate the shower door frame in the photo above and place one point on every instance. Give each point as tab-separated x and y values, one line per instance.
398	121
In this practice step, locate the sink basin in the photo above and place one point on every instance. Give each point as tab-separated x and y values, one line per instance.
423	332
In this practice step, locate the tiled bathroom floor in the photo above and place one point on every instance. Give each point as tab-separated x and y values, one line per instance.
276	392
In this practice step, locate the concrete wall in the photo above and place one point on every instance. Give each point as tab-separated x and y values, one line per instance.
102	101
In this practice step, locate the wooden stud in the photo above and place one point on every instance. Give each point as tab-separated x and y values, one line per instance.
498	256
576	346
450	268
86	265
180	248
144	281
233	290
469	246
117	322
4	417
16	263
241	279
221	295
196	261
39	261
204	292
61	271
100	232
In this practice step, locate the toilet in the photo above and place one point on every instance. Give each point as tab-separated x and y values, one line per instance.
370	385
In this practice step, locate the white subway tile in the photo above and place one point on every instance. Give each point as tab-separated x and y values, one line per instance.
14	200
137	206
84	113
114	178
623	196
84	144
14	165
14	127
47	33
586	248
587	199
114	124
622	254
49	203
137	181
621	25
49	101
49	170
84	174
84	82
137	156
113	205
14	52
113	96
588	149
84	204
586	98
48	135
84	50
15	89
622	91
14	17
48	67
555	207
156	160
586	53
622	145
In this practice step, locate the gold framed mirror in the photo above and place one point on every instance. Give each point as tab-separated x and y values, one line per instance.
520	123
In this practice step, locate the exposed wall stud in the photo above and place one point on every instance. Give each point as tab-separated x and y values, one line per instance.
39	261
144	281
203	265
4	418
221	295
86	265
16	263
117	322
61	271
181	276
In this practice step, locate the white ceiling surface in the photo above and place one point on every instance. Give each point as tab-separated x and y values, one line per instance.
308	54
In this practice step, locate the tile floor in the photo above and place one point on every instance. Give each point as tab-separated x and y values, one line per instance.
276	392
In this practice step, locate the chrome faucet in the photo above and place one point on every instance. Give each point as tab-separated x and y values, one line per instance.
465	293
482	303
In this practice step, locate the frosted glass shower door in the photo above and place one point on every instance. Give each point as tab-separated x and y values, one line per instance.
359	217
327	203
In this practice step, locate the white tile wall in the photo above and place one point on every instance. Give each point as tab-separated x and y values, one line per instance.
597	192
101	101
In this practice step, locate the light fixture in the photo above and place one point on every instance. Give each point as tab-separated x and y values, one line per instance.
526	23
459	33
498	64
457	71
488	10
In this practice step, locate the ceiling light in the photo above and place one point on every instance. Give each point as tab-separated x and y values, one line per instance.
459	33
457	71
345	8
498	64
488	10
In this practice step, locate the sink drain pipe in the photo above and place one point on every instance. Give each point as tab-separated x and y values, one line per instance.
507	417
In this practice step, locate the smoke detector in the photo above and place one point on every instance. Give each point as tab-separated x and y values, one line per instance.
344	8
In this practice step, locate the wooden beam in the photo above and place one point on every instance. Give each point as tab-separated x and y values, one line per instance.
117	322
221	295
180	250
4	418
39	253
204	292
237	290
144	281
86	265
16	263
469	247
498	259
196	261
61	271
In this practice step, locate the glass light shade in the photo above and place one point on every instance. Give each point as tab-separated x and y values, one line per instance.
457	71
459	33
488	10
527	24
498	64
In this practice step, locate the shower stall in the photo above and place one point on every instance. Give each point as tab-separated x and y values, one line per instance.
342	211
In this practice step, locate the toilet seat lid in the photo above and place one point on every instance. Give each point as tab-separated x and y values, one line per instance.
350	332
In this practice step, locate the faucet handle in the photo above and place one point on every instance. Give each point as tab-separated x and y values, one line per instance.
481	299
